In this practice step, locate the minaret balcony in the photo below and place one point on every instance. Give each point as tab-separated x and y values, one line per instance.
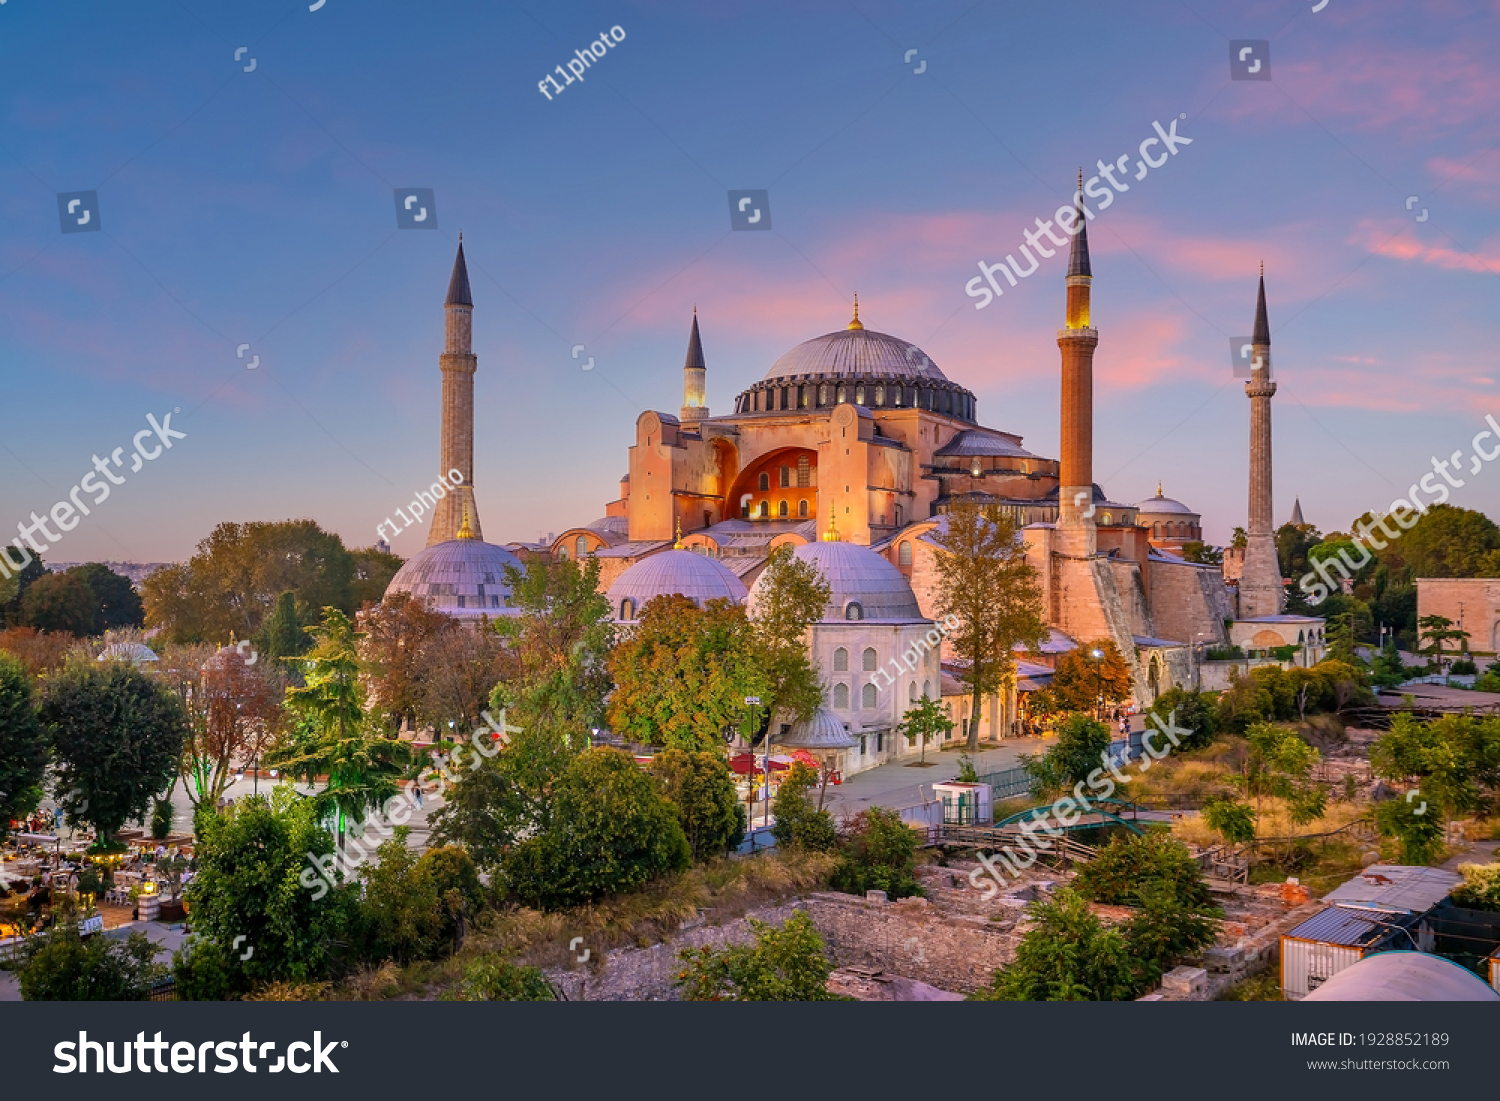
1078	334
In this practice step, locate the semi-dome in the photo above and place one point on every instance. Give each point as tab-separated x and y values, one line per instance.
1163	506
865	586
857	352
133	652
823	731
675	572
611	525
463	577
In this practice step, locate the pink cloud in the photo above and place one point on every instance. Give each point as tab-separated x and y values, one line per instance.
1405	244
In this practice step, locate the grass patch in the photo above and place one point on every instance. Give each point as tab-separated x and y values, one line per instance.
1265	987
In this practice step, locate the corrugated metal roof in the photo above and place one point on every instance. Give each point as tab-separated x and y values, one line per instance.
1337	925
1398	888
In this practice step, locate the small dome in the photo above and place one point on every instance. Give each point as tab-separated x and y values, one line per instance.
681	572
858	576
862	352
1163	506
611	525
133	652
464	578
823	731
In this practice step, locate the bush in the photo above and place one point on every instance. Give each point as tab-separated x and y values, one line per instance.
1164	931
1481	887
495	979
1079	750
161	819
1193	711
1464	667
204	973
878	853
701	788
798	824
1066	956
62	966
1230	819
784	965
1132	861
1417	827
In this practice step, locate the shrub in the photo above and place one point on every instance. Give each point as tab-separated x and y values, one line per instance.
1164	931
204	973
1481	887
161	819
701	788
62	966
1230	819
1066	956
878	853
1464	667
1416	826
495	979
1193	711
797	822
1131	861
784	965
1080	749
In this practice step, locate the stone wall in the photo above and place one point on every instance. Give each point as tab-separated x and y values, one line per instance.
1472	603
1188	603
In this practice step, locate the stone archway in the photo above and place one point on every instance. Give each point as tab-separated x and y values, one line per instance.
1153	677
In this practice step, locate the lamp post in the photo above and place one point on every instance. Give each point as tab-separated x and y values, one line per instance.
753	703
1099	682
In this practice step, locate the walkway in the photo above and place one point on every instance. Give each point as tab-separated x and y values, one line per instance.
901	785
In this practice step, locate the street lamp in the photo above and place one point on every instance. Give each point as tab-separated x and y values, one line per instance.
1099	681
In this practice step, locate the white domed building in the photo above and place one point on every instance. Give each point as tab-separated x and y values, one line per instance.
462	577
1171	524
871	622
675	572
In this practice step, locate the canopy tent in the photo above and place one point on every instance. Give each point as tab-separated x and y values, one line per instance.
747	764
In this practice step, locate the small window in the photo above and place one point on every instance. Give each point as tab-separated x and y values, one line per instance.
802	509
903	553
460	600
926	687
911	691
627	608
871	659
803	472
581	546
863	749
841	697
854	610
899	513
765	507
823	395
745	511
843	396
841	660
781	510
879	395
786	476
868	697
765	481
802	400
708	518
562	554
859	395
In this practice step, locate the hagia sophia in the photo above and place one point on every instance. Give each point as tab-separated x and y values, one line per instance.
851	449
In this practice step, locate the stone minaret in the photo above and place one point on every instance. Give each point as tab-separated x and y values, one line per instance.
1077	533
1261	591
694	378
458	364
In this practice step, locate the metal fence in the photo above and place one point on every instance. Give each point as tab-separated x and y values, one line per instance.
1008	784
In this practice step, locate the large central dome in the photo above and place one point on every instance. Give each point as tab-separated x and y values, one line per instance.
857	352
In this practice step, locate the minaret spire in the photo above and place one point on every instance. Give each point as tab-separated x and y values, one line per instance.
455	514
1261	589
1077	341
694	377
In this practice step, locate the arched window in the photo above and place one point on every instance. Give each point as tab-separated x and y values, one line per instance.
896	395
1156	531
765	507
880	395
867	694
841	660
804	472
745	510
823	394
627	608
765	481
859	395
927	688
843	396
562	554
899	511
781	509
841	696
1106	520
786	476
911	691
871	659
854	610
581	546
802	509
802	396
903	553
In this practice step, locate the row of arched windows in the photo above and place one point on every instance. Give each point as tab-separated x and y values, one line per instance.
771	399
763	510
1175	531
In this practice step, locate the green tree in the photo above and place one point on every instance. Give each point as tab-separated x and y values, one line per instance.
1085	683
611	832
258	877
1082	746
1452	760
333	735
789	964
1202	553
878	852
1187	709
60	602
230	586
1066	956
116	603
1164	930
13	588
283	635
701	787
1387	670
924	720
507	797
790	596
373	571
561	636
798	823
117	736
1230	819
681	677
414	905
1446	541
62	966
1293	544
986	585
1280	764
23	745
1239	540
1435	631
1481	887
496	979
1416	825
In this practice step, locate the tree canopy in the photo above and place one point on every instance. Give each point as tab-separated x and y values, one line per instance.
23	745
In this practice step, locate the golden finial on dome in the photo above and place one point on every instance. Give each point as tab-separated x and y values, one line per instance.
855	324
678	545
464	531
832	534
1158	489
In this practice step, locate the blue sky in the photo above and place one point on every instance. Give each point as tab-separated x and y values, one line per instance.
258	208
